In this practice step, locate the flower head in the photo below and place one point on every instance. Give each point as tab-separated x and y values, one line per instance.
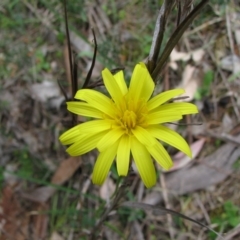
127	123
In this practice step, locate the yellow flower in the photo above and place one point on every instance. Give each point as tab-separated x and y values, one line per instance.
127	123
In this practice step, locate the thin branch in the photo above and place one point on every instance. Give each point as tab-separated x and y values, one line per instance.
186	7
69	46
180	98
45	21
73	65
114	204
158	33
231	233
179	6
167	204
222	136
177	34
93	61
158	210
186	124
63	90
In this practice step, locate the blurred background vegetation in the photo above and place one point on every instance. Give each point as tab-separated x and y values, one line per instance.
47	195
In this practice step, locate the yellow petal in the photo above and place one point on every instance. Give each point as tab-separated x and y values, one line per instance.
181	108
91	127
112	86
84	109
170	137
143	162
103	164
162	98
119	77
123	155
69	136
143	136
96	100
85	143
95	126
110	138
141	85
159	153
163	117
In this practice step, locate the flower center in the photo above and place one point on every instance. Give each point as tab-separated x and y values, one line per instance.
130	114
129	119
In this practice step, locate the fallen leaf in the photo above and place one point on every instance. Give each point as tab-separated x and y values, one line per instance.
56	236
196	56
211	170
227	122
40	194
176	56
237	36
231	63
189	82
158	210
64	172
66	169
79	43
152	198
45	90
107	189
